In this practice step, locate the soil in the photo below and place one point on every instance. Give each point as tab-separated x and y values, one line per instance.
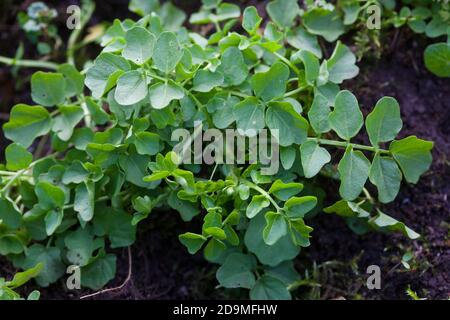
338	258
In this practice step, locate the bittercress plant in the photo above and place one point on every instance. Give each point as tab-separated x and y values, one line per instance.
112	163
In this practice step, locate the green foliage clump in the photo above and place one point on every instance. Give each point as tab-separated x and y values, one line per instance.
112	162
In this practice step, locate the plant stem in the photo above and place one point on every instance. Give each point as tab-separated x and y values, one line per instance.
262	192
294	92
345	144
29	63
239	94
290	64
19	173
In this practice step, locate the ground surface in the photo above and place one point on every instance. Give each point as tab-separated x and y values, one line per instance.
162	269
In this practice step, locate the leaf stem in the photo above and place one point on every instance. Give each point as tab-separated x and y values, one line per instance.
345	144
290	64
263	192
29	63
294	92
19	173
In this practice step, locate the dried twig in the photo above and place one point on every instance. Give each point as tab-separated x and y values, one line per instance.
128	278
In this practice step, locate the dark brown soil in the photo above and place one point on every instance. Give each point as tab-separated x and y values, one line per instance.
162	269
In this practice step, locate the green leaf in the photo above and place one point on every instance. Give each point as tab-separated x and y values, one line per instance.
81	245
341	65
329	91
346	119
98	273
384	122
271	84
49	195
284	122
258	203
318	114
143	7
284	249
297	207
313	157
251	20
161	94
236	272
11	244
65	123
17	157
53	220
284	191
214	250
147	143
26	123
167	52
140	45
388	223
222	117
131	88
98	115
301	39
73	78
205	80
84	201
413	156
311	64
171	17
347	209
249	115
324	23
276	228
211	4
50	257
354	171
283	12
75	173
437	59
285	272
385	174
287	157
269	288
20	278
116	224
192	241
227	11
10	214
351	12
101	77
233	67
48	89
135	168
300	232
187	209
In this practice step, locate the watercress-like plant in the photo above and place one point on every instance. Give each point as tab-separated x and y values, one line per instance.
112	164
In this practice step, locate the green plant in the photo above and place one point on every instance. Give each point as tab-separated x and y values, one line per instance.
113	161
431	18
7	288
37	24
